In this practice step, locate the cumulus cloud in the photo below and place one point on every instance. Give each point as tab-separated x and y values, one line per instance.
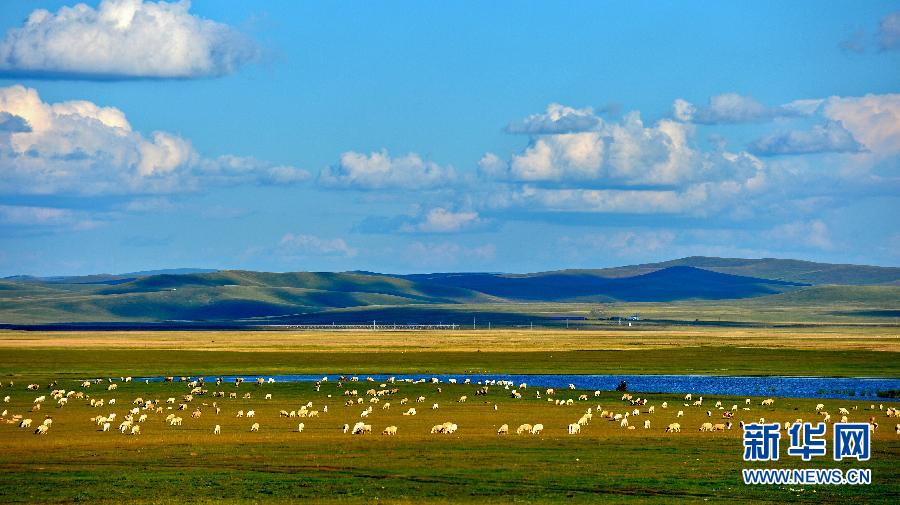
824	138
123	39
80	147
556	157
623	152
873	120
10	123
557	119
440	220
311	245
729	108
378	170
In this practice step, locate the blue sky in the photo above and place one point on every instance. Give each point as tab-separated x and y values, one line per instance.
409	137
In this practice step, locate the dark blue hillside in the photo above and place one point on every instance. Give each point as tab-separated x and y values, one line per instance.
673	283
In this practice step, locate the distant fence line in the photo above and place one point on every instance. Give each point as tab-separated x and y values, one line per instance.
373	326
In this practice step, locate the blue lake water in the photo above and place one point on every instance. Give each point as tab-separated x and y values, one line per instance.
792	387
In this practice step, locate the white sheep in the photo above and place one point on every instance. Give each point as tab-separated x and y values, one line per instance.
390	430
300	427
504	429
574	428
537	429
217	430
254	427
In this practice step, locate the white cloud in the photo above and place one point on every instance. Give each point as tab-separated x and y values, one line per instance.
889	32
51	217
311	245
448	254
491	166
150	205
557	157
730	108
828	137
379	171
557	119
26	215
123	39
439	220
639	243
873	120
810	234
82	148
625	152
613	201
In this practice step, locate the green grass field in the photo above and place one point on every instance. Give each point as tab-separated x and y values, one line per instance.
76	462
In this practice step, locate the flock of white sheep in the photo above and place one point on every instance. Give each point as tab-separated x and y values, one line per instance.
196	394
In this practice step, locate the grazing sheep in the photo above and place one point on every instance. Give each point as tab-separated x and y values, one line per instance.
525	428
346	428
300	427
26	423
651	410
537	429
820	407
268	396
136	429
410	412
251	413
767	402
240	413
574	428
718	427
42	430
362	429
504	429
624	423
217	430
462	399
254	427
688	397
680	413
390	431
647	424
434	407
673	428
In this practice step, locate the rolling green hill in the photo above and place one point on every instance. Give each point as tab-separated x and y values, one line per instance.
321	297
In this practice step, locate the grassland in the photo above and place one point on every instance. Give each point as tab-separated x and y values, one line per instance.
166	465
77	462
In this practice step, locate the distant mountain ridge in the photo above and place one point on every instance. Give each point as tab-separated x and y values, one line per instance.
230	295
